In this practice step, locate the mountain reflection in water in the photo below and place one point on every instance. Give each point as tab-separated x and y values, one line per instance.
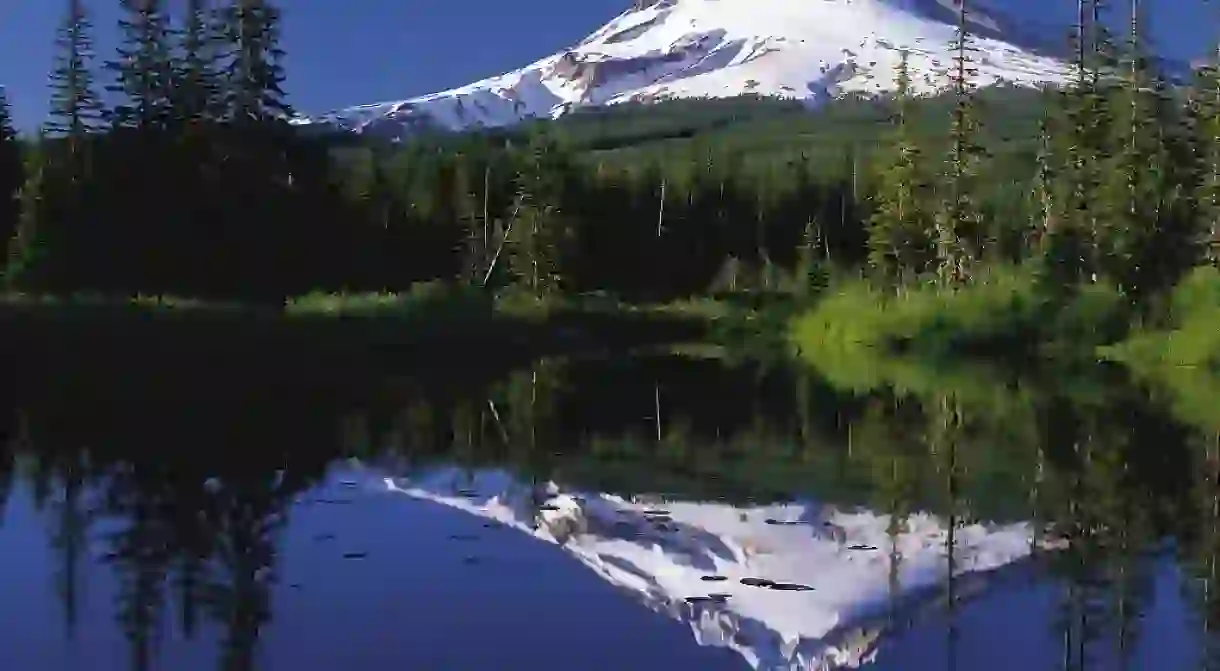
789	518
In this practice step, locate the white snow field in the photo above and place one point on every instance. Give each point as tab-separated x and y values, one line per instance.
826	573
810	50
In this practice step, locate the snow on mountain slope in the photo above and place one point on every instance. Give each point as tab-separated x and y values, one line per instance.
810	50
827	572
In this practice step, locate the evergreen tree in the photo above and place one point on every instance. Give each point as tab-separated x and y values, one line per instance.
1122	179
1095	140
897	234
473	222
27	247
959	223
144	68
809	275
1145	236
196	90
538	227
1071	251
254	72
12	172
1206	135
58	189
76	108
1043	192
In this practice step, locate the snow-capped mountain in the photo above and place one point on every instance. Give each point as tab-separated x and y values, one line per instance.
789	587
811	50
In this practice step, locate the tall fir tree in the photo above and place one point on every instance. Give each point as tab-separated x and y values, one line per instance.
1096	141
1043	193
898	241
1205	113
533	244
1070	253
12	173
27	248
144	69
196	91
958	223
473	248
254	71
76	107
1123	177
59	185
1148	239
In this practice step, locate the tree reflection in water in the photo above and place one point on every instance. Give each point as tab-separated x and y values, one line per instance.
185	492
188	495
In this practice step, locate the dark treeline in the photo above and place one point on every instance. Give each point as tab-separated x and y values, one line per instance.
191	182
189	179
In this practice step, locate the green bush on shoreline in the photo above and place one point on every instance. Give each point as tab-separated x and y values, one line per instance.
1189	335
1007	311
863	338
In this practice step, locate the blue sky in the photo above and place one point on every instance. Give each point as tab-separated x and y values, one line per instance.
346	52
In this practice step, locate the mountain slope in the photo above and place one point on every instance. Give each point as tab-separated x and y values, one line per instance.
810	50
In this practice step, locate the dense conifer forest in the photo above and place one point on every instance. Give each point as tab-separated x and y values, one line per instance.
171	168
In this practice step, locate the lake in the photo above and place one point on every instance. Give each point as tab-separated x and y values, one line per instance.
654	510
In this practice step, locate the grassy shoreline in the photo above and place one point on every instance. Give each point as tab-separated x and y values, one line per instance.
1010	310
433	323
1005	313
1004	316
930	342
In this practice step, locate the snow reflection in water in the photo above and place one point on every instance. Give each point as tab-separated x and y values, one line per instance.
787	586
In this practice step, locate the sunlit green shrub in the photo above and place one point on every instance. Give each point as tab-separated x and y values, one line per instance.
1191	336
1007	309
433	299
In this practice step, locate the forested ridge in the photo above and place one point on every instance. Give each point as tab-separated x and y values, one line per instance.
171	167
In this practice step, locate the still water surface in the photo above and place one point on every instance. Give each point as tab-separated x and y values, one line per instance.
644	512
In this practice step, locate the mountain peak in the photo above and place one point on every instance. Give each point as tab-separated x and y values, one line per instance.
810	50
